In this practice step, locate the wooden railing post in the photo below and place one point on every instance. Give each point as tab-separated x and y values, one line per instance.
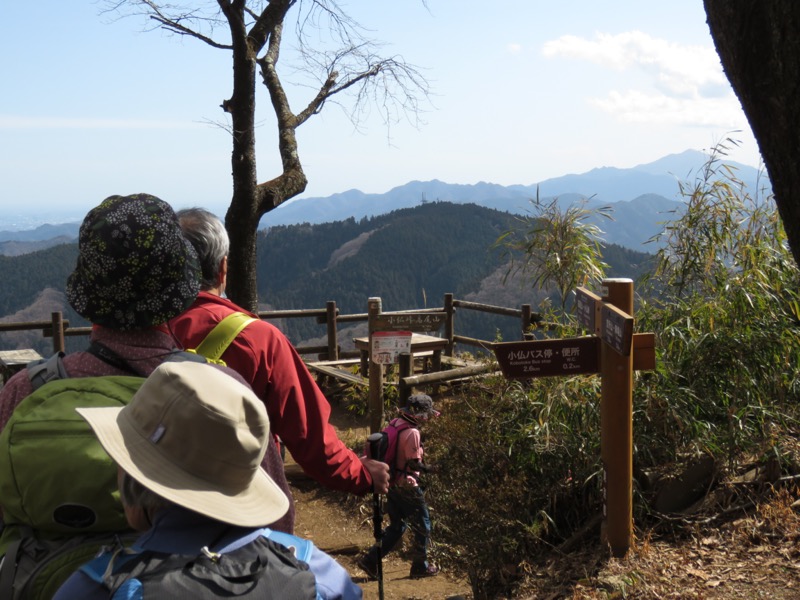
449	325
333	340
374	308
406	369
58	331
526	320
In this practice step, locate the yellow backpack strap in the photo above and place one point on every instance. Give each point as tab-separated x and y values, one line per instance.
219	338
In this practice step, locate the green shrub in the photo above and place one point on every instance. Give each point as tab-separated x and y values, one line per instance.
519	463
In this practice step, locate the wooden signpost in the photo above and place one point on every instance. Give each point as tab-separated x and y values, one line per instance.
390	334
613	351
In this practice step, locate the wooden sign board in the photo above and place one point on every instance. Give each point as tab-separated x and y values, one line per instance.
616	328
587	308
409	321
545	358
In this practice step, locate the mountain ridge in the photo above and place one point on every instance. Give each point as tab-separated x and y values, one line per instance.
641	198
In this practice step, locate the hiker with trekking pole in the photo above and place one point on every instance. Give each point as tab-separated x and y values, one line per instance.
406	505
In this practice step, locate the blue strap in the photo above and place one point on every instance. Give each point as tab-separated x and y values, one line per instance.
46	370
302	548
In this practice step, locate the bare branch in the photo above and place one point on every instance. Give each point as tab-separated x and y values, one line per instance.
179	20
393	85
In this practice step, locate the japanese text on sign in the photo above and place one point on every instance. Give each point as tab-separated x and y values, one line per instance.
387	346
542	358
409	321
617	329
586	304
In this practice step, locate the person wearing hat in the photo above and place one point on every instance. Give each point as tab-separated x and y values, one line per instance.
406	503
188	447
297	408
135	271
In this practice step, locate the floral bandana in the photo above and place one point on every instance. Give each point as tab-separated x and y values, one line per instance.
135	269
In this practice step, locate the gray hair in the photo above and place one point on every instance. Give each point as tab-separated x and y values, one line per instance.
135	495
207	234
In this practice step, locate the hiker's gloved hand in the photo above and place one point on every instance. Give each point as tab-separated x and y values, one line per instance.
379	471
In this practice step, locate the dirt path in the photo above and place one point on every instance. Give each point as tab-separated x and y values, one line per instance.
342	526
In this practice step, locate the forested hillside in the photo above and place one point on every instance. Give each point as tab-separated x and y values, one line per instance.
409	258
25	276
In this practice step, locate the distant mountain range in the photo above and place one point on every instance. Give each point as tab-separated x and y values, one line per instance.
642	198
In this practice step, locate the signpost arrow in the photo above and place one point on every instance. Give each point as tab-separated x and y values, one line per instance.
587	305
543	358
616	328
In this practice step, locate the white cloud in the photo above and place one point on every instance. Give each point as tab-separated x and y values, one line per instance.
687	84
677	70
19	122
514	48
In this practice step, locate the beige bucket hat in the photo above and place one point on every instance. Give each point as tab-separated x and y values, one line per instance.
195	436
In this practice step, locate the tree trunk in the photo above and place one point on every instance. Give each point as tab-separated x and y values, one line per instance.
240	220
759	45
252	200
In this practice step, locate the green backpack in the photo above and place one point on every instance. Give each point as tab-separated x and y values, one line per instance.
58	487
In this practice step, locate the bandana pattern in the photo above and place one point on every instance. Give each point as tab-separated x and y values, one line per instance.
135	268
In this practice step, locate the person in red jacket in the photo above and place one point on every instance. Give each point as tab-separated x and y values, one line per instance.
264	357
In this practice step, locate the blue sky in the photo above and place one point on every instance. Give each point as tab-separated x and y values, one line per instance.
523	92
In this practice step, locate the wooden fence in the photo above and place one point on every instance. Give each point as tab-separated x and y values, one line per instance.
330	355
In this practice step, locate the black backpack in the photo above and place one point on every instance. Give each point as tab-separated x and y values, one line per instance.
261	569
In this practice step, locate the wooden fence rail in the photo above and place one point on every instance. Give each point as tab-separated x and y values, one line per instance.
58	328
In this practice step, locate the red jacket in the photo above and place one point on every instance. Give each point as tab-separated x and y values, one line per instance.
298	411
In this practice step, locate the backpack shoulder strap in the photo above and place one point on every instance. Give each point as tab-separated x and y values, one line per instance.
399	425
46	369
8	568
223	334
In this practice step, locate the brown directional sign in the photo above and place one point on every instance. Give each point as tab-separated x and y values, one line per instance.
587	306
544	358
409	321
616	328
644	351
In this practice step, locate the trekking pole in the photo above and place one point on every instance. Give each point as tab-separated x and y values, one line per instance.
374	441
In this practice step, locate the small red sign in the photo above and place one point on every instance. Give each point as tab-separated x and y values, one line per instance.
388	345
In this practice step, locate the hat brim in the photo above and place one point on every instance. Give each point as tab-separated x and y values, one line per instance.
262	502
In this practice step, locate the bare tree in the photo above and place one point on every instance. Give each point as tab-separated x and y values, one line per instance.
758	43
253	31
